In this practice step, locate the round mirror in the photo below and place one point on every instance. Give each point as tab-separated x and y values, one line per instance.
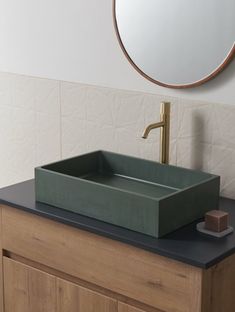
177	43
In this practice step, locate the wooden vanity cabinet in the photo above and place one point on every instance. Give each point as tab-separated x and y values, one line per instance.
31	290
27	289
51	267
122	307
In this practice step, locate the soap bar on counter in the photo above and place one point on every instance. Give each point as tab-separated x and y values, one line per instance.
216	220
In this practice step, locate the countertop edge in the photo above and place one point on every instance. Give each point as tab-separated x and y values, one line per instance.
185	245
114	237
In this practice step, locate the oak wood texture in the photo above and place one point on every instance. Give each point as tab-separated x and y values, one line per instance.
122	307
82	283
220	281
30	290
27	289
73	298
151	279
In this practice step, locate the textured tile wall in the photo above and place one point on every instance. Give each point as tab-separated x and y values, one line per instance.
44	120
29	125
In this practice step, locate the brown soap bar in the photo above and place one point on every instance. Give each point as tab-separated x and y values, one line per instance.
216	220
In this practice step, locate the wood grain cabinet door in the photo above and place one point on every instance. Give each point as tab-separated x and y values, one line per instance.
27	289
122	307
73	298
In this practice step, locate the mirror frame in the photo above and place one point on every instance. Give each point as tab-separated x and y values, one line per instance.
218	70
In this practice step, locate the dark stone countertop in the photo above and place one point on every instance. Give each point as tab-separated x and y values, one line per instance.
185	245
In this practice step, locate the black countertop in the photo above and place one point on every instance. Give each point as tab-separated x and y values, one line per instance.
185	245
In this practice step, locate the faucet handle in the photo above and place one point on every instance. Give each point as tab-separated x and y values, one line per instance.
165	108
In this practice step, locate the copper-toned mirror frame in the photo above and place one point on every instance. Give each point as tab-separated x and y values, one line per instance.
218	70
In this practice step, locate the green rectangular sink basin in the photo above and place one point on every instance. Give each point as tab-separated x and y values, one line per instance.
133	193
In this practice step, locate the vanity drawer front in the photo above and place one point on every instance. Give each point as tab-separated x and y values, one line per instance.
140	275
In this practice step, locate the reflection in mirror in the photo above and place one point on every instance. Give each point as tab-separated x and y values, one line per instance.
178	43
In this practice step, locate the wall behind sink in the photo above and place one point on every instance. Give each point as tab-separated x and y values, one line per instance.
106	104
43	120
75	41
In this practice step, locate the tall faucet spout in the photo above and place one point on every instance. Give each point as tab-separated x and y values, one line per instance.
164	124
150	127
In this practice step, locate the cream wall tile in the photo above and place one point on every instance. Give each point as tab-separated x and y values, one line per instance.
47	138
29	126
173	152
194	155
228	189
73	136
23	92
73	119
99	104
73	100
223	164
17	137
223	150
47	121
224	126
128	142
100	137
195	120
17	130
195	133
127	109
101	118
47	96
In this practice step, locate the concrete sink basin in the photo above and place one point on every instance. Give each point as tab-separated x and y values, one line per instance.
133	193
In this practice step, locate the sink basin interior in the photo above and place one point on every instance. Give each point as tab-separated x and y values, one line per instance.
131	184
128	174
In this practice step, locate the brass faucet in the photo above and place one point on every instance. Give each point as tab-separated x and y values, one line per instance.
164	124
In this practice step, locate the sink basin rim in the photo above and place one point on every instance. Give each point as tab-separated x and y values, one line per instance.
210	178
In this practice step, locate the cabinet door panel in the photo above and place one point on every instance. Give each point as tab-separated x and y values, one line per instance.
27	289
73	298
122	307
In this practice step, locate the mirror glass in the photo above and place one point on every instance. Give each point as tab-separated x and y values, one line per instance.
177	43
